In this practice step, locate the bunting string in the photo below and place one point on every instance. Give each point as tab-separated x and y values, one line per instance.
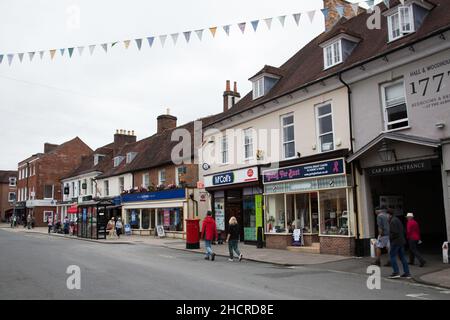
138	42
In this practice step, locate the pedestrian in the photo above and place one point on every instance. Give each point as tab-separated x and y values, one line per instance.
50	223
66	225
13	221
233	239
33	222
209	233
397	242
119	227
383	234
413	237
29	221
110	227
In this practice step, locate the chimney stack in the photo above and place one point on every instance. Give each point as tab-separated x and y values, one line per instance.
333	15
49	147
166	121
121	138
230	98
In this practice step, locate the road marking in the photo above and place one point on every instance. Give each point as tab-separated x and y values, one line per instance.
418	296
165	256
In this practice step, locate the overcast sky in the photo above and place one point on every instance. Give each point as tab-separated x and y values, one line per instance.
92	96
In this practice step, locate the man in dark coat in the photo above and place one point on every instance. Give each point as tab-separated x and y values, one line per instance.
397	242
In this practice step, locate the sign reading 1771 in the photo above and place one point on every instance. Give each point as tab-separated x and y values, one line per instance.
428	86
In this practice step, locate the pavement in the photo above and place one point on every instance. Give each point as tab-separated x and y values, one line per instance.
435	273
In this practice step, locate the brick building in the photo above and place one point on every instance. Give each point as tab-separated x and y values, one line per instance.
38	185
8	185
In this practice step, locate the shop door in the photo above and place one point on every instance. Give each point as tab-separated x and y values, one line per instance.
233	208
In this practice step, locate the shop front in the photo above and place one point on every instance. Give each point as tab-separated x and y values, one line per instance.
313	200
167	209
237	193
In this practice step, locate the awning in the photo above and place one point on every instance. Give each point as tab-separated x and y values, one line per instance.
73	209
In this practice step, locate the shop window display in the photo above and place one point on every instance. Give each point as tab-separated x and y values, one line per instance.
249	218
303	217
334	214
171	219
275	214
133	218
145	218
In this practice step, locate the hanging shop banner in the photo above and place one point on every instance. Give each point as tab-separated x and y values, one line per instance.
157	195
398	168
310	170
232	177
166	218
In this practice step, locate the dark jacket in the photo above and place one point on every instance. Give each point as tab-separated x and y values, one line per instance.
233	231
396	232
209	229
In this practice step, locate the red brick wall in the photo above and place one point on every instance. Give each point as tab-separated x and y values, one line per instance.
191	176
343	246
278	241
38	213
5	189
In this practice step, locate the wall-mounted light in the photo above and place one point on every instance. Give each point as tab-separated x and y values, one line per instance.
440	125
386	153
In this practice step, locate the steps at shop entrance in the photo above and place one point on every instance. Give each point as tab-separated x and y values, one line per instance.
314	248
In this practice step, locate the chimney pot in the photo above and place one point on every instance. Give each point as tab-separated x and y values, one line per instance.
235	87
227	87
132	132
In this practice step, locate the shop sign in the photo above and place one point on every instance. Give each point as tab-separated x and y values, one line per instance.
309	185
151	196
397	168
160	231
232	177
310	170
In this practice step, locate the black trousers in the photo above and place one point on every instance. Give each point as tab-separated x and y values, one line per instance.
414	252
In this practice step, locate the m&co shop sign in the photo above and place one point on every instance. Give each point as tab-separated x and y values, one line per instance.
232	177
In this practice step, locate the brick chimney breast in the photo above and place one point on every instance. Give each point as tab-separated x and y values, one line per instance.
166	121
49	147
333	14
230	98
121	138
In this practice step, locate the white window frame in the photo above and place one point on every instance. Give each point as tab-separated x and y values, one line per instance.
131	156
118	160
9	196
385	107
224	152
284	143
12	184
145	176
106	187
319	135
121	184
401	23
160	180
45	214
251	143
177	178
336	56
258	88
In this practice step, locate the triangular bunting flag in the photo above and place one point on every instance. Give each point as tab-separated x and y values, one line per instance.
311	15
227	29
268	22
187	36
52	53
297	17
340	10
199	34
355	8
255	25
150	41
30	55
325	12
1	58
387	3
126	43
242	26
114	43
10	58
70	52
213	31
62	51
138	43
80	50
163	39
91	49
282	19
41	54
20	56
174	38
105	47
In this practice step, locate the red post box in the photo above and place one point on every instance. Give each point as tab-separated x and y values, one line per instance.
192	234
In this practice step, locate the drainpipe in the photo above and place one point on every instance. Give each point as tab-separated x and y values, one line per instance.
355	198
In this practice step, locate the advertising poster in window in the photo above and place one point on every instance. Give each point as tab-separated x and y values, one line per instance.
166	218
220	214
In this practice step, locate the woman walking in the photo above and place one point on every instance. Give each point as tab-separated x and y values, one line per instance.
233	239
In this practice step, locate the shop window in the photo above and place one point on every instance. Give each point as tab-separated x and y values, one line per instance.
394	103
219	211
275	214
145	218
303	216
333	211
171	219
249	218
325	127
287	123
133	218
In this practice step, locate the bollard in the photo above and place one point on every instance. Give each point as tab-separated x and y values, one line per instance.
373	242
445	252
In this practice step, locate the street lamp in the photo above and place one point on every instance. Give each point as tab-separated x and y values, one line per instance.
386	153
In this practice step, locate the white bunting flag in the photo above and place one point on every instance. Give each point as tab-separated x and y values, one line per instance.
199	34
242	26
297	18
10	58
268	23
126	43
355	8
227	29
187	36
138	43
311	15
174	38
282	19
20	56
163	40
80	50
91	49
41	54
105	47
30	55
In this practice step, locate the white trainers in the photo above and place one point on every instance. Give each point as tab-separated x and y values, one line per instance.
231	260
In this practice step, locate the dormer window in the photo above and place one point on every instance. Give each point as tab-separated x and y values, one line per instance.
131	156
333	54
118	160
264	80
98	158
258	88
